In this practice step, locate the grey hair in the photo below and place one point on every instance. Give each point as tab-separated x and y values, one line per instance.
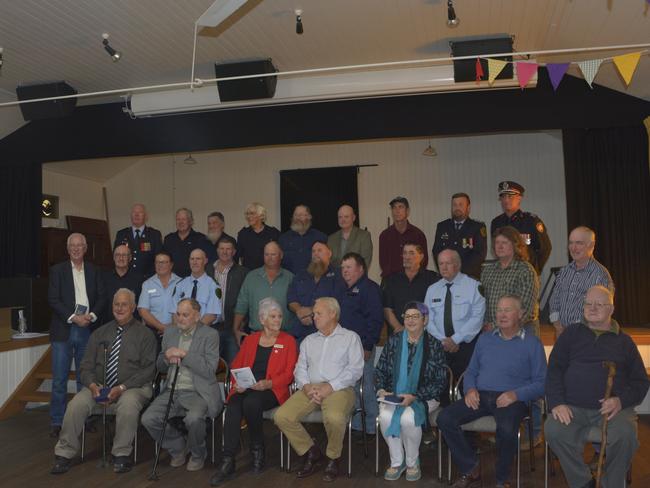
267	305
127	292
76	234
455	256
332	304
258	208
188	212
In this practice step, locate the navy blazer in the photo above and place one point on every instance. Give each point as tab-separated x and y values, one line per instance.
143	255
61	297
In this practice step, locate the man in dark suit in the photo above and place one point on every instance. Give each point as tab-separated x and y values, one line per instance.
230	277
466	236
145	242
76	295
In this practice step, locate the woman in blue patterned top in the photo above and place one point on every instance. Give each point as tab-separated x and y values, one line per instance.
411	366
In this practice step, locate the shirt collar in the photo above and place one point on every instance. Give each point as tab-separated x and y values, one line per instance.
337	331
521	333
141	228
574	266
614	328
74	268
189	334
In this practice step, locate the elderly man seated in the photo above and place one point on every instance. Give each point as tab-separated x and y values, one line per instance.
195	350
128	372
329	365
575	391
507	370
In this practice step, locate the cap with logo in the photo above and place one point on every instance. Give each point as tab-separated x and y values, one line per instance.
510	188
401	200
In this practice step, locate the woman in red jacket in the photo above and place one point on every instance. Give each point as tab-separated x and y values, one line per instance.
271	355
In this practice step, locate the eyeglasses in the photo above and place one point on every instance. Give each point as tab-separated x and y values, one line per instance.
414	316
163	262
597	305
121	255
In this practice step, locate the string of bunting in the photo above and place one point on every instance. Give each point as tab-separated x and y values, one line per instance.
625	64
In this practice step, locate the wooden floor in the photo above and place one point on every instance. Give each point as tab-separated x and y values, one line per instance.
26	454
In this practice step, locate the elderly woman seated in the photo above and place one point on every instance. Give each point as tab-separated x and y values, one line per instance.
412	368
271	355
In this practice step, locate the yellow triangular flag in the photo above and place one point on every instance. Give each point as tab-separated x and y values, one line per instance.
495	66
626	64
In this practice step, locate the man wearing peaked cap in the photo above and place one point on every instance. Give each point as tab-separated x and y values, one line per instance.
530	226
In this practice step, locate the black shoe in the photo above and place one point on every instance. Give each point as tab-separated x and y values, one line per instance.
357	437
257	458
55	430
311	463
331	470
224	472
61	465
122	464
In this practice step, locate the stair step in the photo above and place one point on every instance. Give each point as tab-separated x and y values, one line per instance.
39	397
47	375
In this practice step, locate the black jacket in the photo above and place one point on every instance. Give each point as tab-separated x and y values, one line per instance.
144	251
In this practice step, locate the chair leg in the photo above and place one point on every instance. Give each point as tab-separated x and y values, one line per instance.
439	455
212	428
83	441
135	447
518	456
288	456
377	446
531	451
363	418
281	451
545	464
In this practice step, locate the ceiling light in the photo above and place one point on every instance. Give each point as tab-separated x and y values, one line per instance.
299	29
430	151
189	160
452	20
115	55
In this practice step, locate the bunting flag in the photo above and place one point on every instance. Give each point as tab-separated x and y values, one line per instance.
495	66
479	70
626	65
589	69
556	72
525	71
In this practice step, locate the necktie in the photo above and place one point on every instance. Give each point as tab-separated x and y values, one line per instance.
194	289
113	359
449	324
137	234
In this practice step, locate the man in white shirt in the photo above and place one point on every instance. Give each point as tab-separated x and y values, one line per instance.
330	364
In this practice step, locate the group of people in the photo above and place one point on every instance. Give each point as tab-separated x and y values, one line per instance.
298	308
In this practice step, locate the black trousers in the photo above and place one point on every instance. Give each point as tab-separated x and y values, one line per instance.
249	405
458	362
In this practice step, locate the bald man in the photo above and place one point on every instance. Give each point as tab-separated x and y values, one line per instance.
576	278
143	241
350	238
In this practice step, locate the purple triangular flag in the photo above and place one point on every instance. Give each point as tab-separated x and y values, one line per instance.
556	72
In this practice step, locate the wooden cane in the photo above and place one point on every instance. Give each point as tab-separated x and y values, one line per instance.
611	372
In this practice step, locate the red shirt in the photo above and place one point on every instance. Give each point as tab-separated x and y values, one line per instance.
281	362
391	243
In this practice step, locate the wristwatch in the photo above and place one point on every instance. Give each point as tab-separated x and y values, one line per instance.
122	387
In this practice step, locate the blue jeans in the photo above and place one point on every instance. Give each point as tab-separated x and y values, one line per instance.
507	419
369	396
62	355
228	348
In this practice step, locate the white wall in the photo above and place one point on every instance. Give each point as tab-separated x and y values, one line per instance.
77	196
228	180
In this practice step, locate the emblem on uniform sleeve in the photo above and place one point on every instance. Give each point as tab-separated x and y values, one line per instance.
217	292
483	231
540	227
527	239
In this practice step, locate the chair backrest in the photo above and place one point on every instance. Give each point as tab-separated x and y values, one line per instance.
224	384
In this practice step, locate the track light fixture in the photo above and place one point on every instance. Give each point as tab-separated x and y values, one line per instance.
452	20
299	29
115	55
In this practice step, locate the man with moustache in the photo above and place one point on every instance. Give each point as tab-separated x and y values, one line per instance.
216	226
296	243
143	241
349	238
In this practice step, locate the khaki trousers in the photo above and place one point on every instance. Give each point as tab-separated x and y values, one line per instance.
336	410
127	415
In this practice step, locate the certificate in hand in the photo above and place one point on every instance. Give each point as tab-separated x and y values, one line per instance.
244	377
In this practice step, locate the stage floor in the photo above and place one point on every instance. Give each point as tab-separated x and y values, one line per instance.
26	454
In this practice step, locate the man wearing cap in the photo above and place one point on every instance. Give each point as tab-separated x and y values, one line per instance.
529	225
466	236
392	239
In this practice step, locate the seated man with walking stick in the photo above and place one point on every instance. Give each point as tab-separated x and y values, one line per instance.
193	351
119	363
576	392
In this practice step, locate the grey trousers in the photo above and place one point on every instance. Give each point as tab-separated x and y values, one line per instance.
127	413
187	404
568	442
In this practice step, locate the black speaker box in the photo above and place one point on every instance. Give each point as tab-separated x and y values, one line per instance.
465	69
29	294
50	109
248	88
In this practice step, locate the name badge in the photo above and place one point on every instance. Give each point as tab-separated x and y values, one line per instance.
436	300
153	290
278	346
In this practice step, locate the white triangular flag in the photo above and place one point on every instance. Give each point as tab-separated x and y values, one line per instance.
589	69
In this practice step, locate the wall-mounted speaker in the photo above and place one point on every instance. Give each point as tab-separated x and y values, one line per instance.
50	109
465	69
248	88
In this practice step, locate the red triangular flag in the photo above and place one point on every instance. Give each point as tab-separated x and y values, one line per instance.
525	71
479	70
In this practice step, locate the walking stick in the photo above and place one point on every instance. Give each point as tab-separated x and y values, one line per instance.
611	372
154	476
105	344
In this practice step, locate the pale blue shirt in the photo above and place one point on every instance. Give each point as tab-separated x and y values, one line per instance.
467	310
157	299
207	294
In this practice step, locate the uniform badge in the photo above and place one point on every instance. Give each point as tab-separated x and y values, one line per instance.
217	292
527	239
483	231
436	300
540	227
355	290
444	236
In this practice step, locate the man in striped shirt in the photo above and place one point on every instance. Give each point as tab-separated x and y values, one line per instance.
576	278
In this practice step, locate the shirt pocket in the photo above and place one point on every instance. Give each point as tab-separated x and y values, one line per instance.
460	308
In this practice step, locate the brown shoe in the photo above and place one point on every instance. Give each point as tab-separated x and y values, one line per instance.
331	470
312	461
473	478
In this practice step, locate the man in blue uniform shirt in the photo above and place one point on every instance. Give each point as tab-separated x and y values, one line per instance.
530	226
296	243
144	241
363	313
318	280
182	242
466	236
155	298
200	287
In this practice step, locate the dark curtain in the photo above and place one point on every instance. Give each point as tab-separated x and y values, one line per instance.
608	189
323	190
20	219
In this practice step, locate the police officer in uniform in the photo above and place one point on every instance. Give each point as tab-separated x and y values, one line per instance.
529	225
143	241
466	236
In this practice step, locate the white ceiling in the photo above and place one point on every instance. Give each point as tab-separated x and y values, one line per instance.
61	39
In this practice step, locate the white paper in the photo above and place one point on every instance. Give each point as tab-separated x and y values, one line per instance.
387	402
244	377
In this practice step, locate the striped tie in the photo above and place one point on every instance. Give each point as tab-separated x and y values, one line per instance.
113	359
